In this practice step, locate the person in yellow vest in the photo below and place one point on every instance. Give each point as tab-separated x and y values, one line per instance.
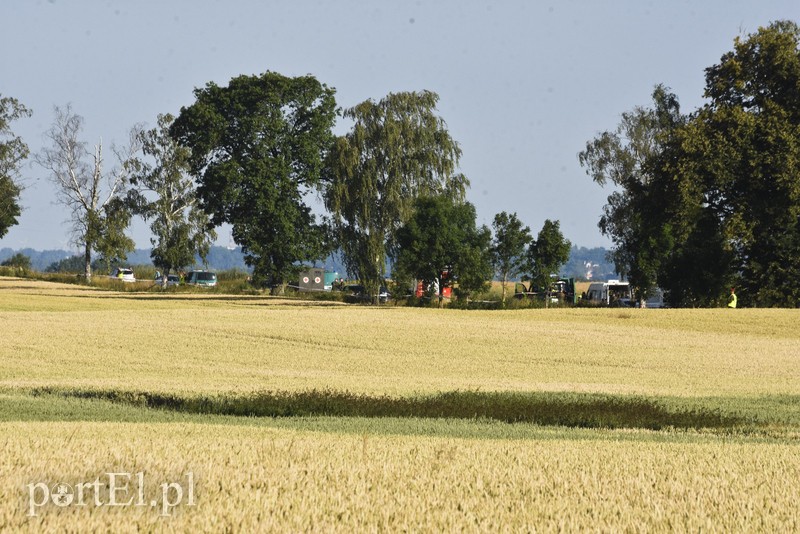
732	300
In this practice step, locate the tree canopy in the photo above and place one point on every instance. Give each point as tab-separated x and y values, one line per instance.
399	149
165	196
547	254
13	152
715	200
440	235
19	261
743	150
257	149
508	247
622	158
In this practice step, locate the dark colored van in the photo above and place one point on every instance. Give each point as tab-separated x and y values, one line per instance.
201	278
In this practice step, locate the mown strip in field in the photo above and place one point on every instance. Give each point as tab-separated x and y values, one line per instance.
540	408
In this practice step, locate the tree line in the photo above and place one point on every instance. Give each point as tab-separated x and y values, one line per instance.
249	154
702	201
710	200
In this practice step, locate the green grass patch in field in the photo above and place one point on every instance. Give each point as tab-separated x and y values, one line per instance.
52	407
541	408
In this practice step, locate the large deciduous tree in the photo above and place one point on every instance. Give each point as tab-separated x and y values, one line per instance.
164	195
508	247
398	150
257	148
13	152
743	149
441	234
716	201
94	195
622	158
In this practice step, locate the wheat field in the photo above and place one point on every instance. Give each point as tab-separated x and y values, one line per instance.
250	479
345	474
62	335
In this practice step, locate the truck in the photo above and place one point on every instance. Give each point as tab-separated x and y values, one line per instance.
441	287
317	279
561	290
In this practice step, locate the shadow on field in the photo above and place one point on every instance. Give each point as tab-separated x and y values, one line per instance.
200	296
546	409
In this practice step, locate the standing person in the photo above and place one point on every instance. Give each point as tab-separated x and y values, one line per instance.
732	300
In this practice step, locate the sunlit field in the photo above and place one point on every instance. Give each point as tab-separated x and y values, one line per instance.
295	415
63	335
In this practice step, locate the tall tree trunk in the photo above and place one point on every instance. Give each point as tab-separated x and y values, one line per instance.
87	262
278	289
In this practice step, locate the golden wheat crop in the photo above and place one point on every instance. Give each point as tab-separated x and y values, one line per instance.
251	479
66	336
253	475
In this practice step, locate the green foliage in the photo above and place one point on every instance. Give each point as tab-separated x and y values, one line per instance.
508	247
756	112
712	200
257	148
622	158
12	153
397	151
18	260
9	203
73	264
442	235
18	265
733	173
547	253
166	197
111	242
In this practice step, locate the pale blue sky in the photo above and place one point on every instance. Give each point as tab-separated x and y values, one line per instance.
523	84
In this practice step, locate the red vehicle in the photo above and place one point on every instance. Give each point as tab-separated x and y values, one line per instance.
443	284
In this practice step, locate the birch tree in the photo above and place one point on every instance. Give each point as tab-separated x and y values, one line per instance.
93	195
164	195
398	150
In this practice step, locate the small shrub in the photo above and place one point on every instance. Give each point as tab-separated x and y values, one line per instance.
19	261
18	265
236	275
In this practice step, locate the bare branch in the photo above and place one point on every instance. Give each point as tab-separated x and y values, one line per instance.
83	187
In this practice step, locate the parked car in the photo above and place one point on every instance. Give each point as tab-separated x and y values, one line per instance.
172	279
124	274
201	278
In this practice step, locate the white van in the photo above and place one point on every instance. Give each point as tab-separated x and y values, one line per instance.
611	293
